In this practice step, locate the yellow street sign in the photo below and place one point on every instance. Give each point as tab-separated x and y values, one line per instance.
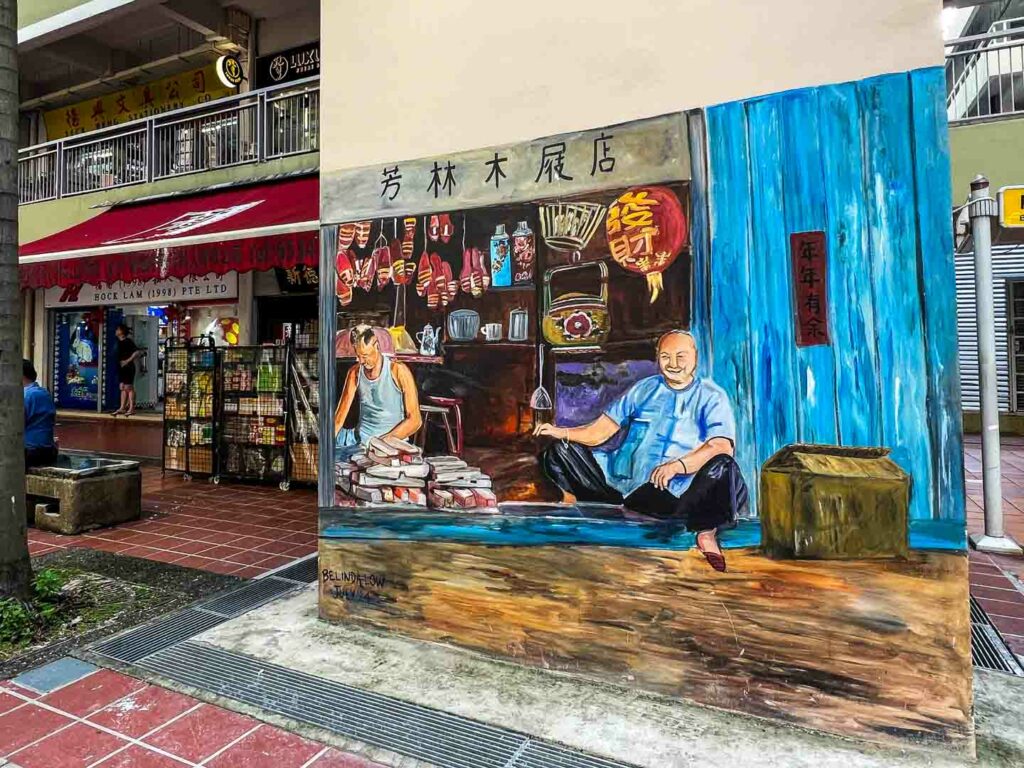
1011	206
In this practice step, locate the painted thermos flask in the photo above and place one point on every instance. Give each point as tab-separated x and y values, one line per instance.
501	264
524	253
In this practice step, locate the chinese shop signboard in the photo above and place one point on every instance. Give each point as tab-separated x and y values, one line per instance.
186	89
556	166
807	250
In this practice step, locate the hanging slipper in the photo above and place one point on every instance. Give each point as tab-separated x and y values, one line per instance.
447	228
343	266
344	291
423	277
466	274
433	296
397	263
409	244
434	232
410	271
346	233
437	275
479	275
382	257
365	272
362	233
451	284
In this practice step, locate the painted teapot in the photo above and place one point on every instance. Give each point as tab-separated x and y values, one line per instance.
428	340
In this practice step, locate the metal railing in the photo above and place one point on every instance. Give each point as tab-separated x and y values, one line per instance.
248	128
985	73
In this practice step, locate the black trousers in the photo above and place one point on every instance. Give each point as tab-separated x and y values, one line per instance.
40	457
717	495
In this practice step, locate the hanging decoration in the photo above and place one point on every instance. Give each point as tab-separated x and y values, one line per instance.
345	273
646	229
424	278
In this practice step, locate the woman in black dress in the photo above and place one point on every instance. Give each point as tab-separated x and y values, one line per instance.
127	353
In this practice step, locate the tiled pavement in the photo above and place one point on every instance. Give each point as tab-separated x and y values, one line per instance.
242	530
996	581
108	720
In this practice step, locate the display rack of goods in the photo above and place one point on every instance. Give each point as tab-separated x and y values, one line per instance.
202	427
176	389
252	442
304	392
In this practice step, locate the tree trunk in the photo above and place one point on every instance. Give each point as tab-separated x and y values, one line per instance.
15	566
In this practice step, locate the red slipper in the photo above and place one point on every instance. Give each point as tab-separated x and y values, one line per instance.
465	276
362	233
451	284
434	231
423	279
346	234
447	230
715	560
398	273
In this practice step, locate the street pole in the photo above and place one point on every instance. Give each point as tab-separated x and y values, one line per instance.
982	209
15	566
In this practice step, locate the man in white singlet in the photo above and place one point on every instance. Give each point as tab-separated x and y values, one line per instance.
388	402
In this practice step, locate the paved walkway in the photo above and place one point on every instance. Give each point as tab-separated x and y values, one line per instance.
141	436
241	530
79	716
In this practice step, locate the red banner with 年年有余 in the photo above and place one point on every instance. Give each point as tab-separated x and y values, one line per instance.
810	282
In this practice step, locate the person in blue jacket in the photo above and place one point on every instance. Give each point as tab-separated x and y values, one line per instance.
676	460
40	415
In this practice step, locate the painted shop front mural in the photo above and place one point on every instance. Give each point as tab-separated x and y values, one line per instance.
671	403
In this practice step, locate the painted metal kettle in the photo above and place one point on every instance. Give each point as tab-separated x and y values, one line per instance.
576	319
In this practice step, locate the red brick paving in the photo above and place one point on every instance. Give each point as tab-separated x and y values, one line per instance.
241	530
995	579
150	727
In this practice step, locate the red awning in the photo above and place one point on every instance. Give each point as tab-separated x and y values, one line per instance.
241	229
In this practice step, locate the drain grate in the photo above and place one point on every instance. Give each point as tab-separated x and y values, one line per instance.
304	571
243	599
163	633
988	649
539	754
978	615
137	643
439	738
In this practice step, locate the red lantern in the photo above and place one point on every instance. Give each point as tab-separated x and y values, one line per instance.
646	230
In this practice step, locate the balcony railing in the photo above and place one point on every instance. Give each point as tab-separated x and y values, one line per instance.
248	128
985	73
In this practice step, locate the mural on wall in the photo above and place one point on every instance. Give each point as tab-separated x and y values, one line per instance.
632	412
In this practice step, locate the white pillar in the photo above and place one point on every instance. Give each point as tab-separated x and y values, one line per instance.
982	210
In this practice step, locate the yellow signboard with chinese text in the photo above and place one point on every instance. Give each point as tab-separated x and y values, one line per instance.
185	89
1011	206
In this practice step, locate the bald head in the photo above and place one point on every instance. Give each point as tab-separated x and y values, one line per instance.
677	358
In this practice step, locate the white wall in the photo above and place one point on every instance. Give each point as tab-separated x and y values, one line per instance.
404	79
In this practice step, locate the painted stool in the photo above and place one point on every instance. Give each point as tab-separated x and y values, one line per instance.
450	411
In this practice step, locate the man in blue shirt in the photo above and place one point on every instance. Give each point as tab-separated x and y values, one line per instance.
676	461
40	414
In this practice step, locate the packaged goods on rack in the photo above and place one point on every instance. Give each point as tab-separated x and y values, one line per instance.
252	442
304	414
